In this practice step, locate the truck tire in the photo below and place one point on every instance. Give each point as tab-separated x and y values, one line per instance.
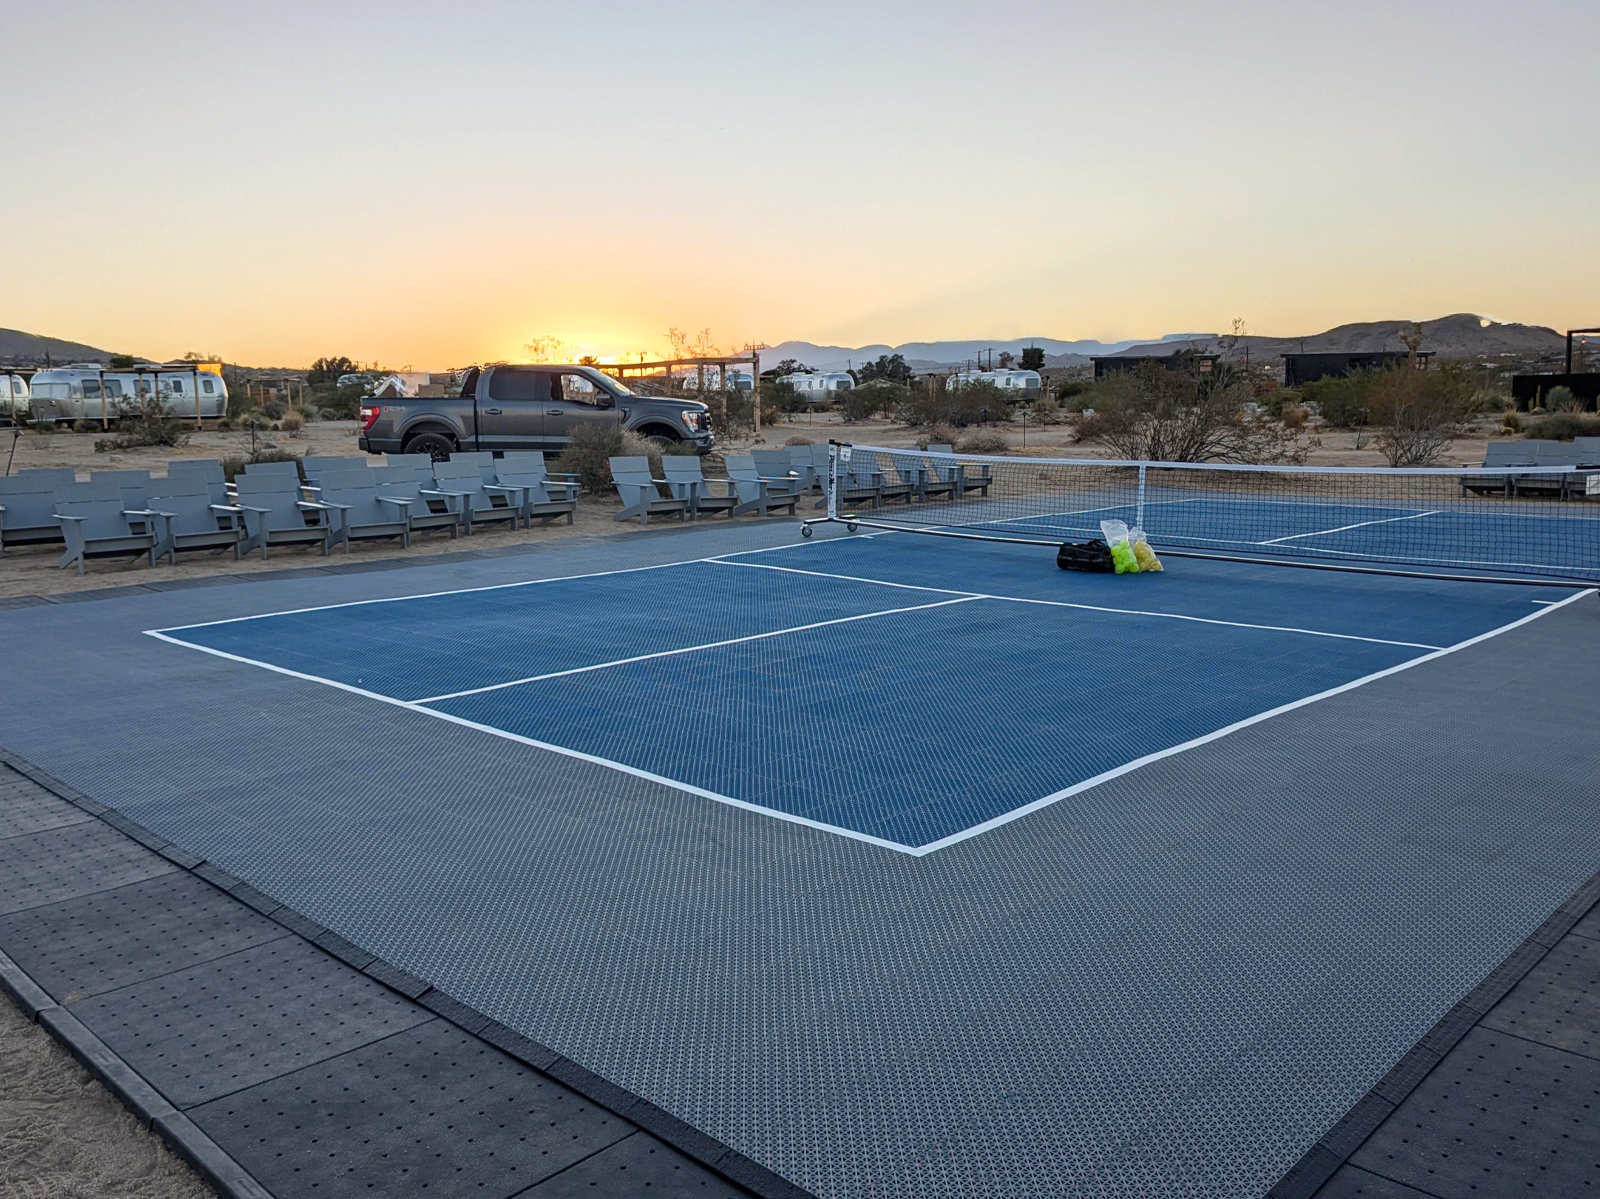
435	442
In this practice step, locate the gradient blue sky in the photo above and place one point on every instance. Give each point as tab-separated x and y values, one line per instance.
435	184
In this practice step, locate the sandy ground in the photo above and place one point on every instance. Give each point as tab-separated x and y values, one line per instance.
30	570
64	1136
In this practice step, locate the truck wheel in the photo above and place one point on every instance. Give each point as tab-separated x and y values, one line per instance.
438	445
664	438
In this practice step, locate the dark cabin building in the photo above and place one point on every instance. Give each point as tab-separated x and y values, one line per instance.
1123	364
1529	391
1306	368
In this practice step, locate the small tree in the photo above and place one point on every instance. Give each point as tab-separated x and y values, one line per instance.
891	367
1033	358
1187	415
1417	412
548	348
1006	359
328	370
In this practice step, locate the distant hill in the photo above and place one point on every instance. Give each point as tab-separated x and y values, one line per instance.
929	355
1461	335
29	349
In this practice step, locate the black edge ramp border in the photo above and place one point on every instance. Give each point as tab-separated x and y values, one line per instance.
1336	1146
224	1173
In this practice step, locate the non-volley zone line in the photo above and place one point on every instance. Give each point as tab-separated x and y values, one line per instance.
1018	599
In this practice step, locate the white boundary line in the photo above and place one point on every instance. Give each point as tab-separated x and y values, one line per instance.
1108	775
690	649
1360	524
913	851
1017	599
621	767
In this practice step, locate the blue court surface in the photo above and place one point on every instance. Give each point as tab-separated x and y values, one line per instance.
888	687
1474	535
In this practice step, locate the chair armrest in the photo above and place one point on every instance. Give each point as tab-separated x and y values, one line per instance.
320	505
394	499
74	519
144	512
226	508
460	495
253	508
563	475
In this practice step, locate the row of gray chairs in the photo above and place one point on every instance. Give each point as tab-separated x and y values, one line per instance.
1582	455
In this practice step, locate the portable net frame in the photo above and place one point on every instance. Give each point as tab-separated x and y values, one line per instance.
1522	524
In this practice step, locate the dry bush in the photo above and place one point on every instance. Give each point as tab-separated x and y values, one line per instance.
939	434
976	403
1046	411
152	424
983	443
592	446
1416	413
1187	415
799	441
293	422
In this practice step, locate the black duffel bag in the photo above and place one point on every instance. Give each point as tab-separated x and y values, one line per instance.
1091	555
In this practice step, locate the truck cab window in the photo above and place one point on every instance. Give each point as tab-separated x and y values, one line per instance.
569	388
511	384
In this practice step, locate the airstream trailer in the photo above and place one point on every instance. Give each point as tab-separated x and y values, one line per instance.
815	389
1008	380
90	392
13	397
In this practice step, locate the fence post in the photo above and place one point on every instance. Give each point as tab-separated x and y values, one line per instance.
755	389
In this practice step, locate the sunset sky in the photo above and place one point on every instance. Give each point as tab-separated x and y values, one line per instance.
435	184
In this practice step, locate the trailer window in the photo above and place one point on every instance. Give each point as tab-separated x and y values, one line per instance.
91	389
205	385
113	389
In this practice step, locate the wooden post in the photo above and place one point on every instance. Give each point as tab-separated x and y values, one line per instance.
755	389
104	423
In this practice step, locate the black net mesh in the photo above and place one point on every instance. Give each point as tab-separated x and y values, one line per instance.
1522	523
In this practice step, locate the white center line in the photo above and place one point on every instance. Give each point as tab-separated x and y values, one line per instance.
692	649
1342	528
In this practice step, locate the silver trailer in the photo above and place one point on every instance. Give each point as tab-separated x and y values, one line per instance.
91	392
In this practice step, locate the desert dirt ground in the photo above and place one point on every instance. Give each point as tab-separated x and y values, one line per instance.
64	1136
32	570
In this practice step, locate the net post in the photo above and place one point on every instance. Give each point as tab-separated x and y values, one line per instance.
1138	520
833	480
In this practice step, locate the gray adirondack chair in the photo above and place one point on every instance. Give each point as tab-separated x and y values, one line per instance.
420	465
531	462
1496	455
477	457
362	509
858	483
54	475
536	493
188	515
275	513
281	471
686	481
401	482
970	476
205	470
930	481
640	494
1587	451
800	462
758	493
104	527
28	509
315	466
779	464
481	503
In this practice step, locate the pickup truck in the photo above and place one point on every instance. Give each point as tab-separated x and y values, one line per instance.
526	408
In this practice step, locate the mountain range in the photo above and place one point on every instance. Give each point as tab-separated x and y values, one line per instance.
1461	335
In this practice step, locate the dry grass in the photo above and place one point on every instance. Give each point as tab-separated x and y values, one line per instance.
63	1135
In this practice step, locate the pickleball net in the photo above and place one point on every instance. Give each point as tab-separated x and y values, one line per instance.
1522	524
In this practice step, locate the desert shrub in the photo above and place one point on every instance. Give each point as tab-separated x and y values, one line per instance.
974	404
1345	403
1187	416
342	403
869	399
274	409
1415	413
152	424
938	434
1562	399
799	441
589	452
1512	422
983	442
1560	426
293	422
782	396
1072	389
234	465
1045	411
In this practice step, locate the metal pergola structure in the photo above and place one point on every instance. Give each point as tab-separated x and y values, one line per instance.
720	363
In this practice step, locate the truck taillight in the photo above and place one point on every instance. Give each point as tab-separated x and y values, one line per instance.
369	415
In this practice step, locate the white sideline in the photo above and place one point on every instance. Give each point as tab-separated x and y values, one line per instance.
913	851
1017	599
690	649
1108	775
620	767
